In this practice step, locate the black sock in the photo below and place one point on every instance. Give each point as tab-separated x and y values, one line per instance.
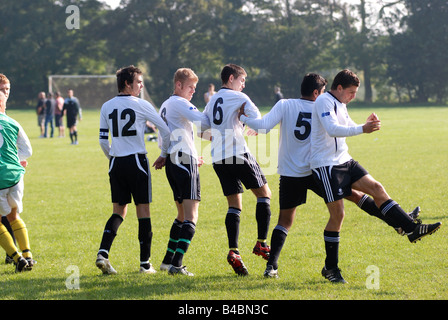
393	211
331	239
71	136
185	237
278	239
172	243
145	238
233	226
75	135
368	205
263	216
110	231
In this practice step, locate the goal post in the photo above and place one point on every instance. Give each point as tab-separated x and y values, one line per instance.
91	90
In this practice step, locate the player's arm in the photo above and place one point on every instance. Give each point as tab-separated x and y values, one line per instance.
24	149
164	131
328	118
269	121
205	132
104	135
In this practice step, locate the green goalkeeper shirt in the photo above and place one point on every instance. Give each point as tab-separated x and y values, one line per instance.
14	147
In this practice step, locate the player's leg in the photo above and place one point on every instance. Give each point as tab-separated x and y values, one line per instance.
144	237
176	227
331	270
191	210
7	225
109	234
263	217
392	209
278	238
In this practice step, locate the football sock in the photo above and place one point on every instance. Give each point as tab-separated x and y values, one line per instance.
172	243
278	239
185	237
21	234
71	137
7	243
368	205
233	226
331	239
75	135
393	211
6	223
144	237
263	217
110	232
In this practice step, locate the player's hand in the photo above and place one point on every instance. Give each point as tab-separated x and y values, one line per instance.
159	163
200	161
251	133
24	163
371	126
373	117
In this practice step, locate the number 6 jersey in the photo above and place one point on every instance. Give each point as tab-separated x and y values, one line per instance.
125	118
226	129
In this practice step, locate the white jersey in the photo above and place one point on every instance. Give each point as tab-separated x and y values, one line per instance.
125	118
331	124
226	129
179	114
294	116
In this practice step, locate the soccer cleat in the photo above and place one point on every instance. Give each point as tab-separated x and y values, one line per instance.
21	265
270	272
9	260
182	270
31	263
414	214
147	268
104	265
164	267
333	275
259	250
237	264
422	230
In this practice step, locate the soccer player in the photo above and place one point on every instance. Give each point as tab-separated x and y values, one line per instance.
182	167
337	173
15	148
294	116
234	164
125	118
72	111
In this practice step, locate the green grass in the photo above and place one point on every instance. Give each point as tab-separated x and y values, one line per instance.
67	203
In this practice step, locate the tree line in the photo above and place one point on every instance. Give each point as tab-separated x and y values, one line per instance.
398	47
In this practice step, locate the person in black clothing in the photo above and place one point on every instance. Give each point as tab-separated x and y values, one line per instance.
72	110
49	114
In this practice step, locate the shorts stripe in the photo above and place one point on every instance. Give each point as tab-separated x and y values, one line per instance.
326	183
255	168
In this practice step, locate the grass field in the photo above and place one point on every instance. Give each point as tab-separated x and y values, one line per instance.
67	203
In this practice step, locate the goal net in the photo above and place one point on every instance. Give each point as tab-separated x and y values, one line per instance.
91	90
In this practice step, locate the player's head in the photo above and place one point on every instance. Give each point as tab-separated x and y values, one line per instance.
126	77
185	81
345	86
5	87
345	79
312	85
234	77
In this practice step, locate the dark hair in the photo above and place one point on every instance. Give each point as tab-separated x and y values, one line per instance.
231	69
126	74
345	78
311	82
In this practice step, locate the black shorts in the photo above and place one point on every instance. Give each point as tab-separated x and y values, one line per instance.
336	182
130	177
293	190
183	175
233	172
